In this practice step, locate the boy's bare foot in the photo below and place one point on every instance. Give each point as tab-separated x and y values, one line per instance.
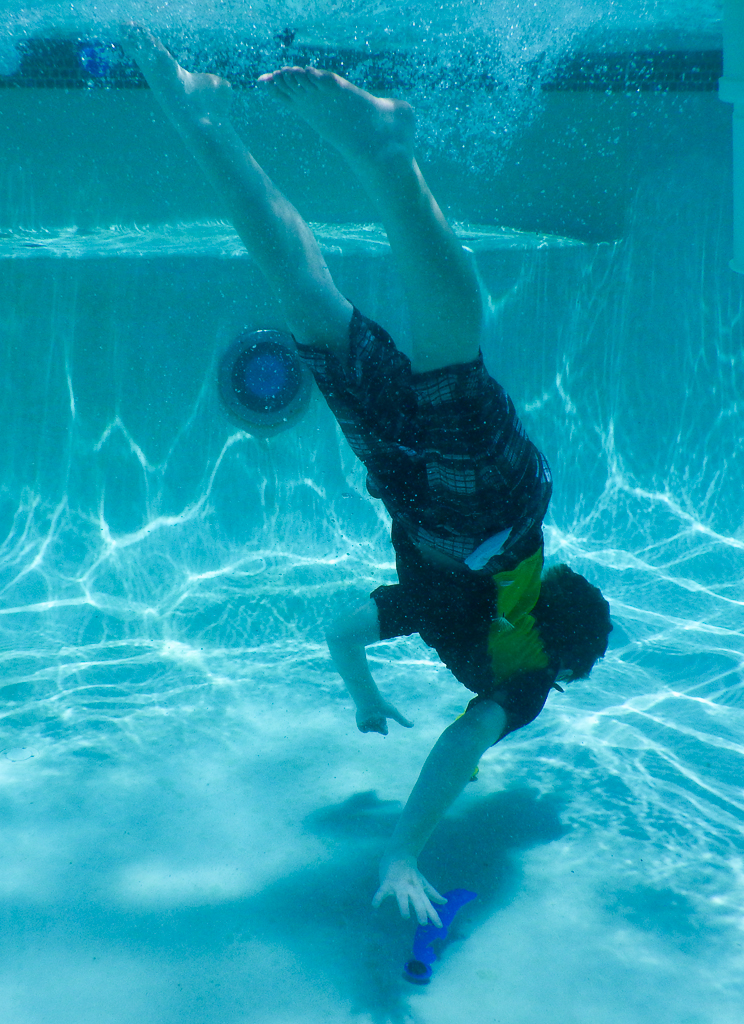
188	99
364	128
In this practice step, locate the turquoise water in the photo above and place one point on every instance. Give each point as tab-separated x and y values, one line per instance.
191	822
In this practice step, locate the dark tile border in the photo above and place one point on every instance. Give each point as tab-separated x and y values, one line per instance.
667	71
94	64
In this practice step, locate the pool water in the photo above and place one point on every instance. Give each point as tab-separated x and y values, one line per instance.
191	821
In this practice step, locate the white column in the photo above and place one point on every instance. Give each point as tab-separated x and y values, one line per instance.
731	90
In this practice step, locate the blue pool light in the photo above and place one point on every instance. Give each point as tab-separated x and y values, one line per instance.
10	57
418	968
263	382
98	58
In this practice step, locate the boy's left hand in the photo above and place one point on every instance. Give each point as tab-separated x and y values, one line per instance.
400	877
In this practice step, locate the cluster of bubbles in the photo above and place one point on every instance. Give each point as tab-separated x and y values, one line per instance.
368	18
472	68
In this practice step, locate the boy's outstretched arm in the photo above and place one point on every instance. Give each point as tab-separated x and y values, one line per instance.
347	637
448	768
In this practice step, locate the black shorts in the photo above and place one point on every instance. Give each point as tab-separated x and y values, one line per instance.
452	612
449	458
445	450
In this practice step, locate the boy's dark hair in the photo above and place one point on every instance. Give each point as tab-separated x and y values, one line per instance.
573	620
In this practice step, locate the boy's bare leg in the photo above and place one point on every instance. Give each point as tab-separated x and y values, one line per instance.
375	136
269	226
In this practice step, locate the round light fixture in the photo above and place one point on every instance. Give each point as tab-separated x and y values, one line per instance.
263	382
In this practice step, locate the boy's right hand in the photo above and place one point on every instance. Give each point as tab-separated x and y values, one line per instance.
374	719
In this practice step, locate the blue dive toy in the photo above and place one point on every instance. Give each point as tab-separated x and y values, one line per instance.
418	968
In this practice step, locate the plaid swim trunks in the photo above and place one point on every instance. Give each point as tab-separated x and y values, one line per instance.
448	456
444	450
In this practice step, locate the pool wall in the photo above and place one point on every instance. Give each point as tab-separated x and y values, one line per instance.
127	488
624	359
565	155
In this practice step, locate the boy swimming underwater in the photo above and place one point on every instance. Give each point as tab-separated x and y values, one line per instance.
466	489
